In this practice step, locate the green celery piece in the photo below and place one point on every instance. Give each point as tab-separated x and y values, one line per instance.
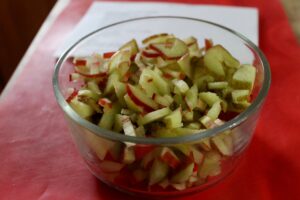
191	97
239	95
153	116
174	119
112	79
214	111
131	105
158	171
82	109
108	118
132	46
120	90
181	86
209	97
88	93
244	77
121	56
217	85
93	86
187	115
185	65
184	174
118	126
215	59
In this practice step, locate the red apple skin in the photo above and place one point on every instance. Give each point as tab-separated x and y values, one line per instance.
154	36
162	54
79	63
151	54
208	44
72	96
170	158
138	102
107	55
99	75
105	102
142	150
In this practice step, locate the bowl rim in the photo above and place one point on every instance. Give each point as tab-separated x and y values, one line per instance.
240	118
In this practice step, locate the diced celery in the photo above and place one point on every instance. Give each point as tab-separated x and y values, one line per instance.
244	77
153	116
191	97
173	120
209	97
108	118
217	85
181	85
214	111
239	95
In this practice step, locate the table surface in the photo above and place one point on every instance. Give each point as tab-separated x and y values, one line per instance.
39	159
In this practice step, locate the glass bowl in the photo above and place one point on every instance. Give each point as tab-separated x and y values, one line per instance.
201	163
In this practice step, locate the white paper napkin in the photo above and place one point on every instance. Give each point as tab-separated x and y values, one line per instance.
242	19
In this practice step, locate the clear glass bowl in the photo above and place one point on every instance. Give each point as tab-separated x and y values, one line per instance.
102	149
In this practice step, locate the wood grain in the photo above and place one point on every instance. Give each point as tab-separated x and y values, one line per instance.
292	8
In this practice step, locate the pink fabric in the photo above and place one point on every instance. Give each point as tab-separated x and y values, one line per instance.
40	161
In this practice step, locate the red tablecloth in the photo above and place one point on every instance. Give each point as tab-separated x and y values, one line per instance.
39	161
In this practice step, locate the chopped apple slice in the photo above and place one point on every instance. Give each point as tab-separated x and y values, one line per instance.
127	126
158	172
147	83
185	65
132	46
112	79
194	125
99	145
224	144
131	105
118	126
128	155
92	85
153	116
174	119
216	57
217	85
109	114
209	97
244	77
140	98
205	144
239	95
169	157
198	156
165	100
150	53
191	97
211	165
181	86
172	48
110	166
120	90
122	56
183	175
214	111
187	116
157	38
82	109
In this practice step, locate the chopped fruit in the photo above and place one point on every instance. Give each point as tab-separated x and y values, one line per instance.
217	85
181	86
191	97
158	38
166	88
122	56
140	98
214	111
108	54
158	172
132	46
239	95
211	165
153	116
110	166
224	144
244	77
108	117
128	155
173	120
185	65
172	48
209	97
216	58
184	174
92	85
169	157
99	145
82	109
